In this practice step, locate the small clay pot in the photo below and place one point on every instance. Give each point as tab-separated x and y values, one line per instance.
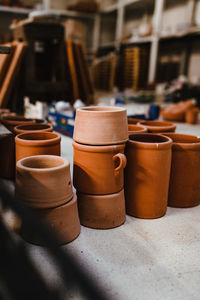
11	121
62	221
136	129
184	188
43	181
191	115
176	112
98	125
158	126
102	211
133	121
33	127
147	175
37	143
98	169
7	156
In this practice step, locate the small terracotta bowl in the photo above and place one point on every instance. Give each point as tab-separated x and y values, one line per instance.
37	143
11	121
37	127
132	128
63	221
158	126
102	211
96	125
43	181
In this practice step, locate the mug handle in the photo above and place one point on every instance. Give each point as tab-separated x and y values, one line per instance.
122	160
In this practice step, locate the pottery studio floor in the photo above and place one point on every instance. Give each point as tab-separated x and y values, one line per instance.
142	259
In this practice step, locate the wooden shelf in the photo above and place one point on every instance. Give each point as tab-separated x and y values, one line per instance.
14	10
62	13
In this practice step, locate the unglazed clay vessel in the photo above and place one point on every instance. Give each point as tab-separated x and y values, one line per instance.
37	143
133	121
136	129
191	116
98	169
11	121
147	175
102	211
33	127
43	181
158	126
62	221
176	112
98	125
184	188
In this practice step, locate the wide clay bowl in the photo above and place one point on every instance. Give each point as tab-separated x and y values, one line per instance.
184	188
158	126
102	211
62	221
98	169
33	127
43	181
132	128
96	125
37	143
133	121
147	175
11	121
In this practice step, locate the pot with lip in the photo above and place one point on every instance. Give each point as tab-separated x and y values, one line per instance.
11	121
37	127
158	126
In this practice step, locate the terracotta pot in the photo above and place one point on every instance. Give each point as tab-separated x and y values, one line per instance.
158	126
63	221
184	188
147	175
11	121
136	128
33	127
98	169
98	125
37	143
102	211
7	156
191	115
176	112
43	181
133	121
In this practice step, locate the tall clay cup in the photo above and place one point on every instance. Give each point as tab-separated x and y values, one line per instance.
147	175
33	127
98	169
43	181
158	126
37	143
184	188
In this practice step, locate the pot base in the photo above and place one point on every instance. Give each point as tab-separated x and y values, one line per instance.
63	221
102	211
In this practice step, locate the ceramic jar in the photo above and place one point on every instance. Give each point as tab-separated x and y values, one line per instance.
11	121
102	211
158	126
37	143
33	127
136	129
98	125
191	116
147	175
184	188
43	181
98	169
62	221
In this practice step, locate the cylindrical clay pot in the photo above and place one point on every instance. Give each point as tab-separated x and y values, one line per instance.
191	115
11	121
43	181
158	126
136	129
147	175
98	125
33	127
37	143
184	188
102	211
63	221
98	169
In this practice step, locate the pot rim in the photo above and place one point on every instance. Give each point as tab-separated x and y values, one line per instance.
101	197
185	145
158	125
98	148
17	118
150	145
21	166
53	138
20	128
100	109
135	120
139	126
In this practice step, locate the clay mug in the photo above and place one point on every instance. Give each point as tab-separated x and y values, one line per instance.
43	181
33	127
37	143
98	169
158	126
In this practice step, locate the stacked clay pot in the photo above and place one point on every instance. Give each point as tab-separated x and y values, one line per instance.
43	183
100	134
